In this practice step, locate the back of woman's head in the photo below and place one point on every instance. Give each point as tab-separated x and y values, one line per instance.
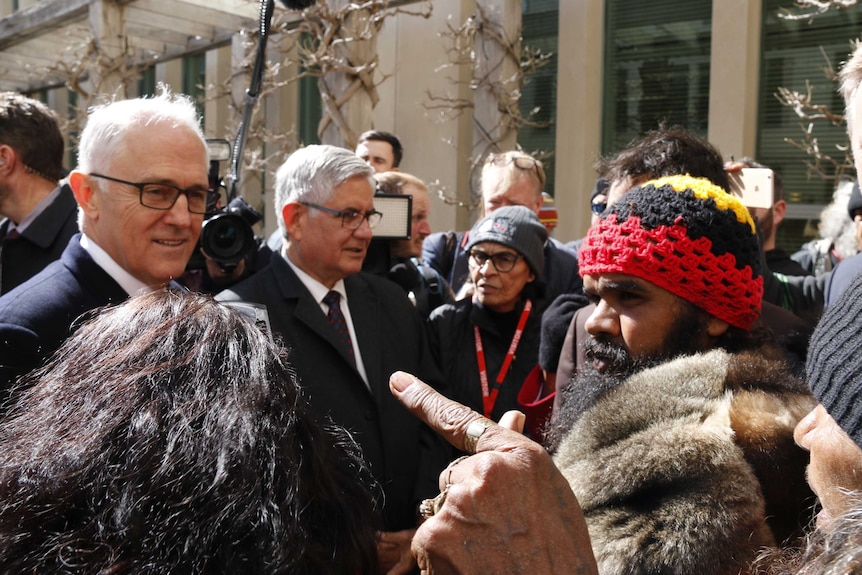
168	435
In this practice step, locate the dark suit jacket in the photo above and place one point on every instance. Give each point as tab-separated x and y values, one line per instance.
36	317
390	337
41	243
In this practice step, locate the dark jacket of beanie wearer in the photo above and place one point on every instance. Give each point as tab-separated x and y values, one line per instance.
834	364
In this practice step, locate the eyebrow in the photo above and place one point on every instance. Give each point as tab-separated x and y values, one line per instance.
611	285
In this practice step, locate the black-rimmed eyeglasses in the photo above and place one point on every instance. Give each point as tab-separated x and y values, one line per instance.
164	196
350	219
503	261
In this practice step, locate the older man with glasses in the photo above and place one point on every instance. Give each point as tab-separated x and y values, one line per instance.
141	188
348	330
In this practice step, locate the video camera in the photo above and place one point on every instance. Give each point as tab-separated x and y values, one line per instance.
226	235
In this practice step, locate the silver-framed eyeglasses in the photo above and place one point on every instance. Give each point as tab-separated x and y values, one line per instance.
164	196
503	261
350	219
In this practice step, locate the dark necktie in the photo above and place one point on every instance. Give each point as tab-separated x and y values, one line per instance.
13	235
336	318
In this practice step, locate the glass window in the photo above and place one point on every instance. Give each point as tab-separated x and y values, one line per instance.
656	68
540	25
195	80
793	52
310	106
147	82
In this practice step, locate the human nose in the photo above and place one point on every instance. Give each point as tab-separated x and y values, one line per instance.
364	229
603	320
424	228
804	427
179	214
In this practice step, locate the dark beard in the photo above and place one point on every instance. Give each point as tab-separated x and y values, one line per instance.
587	385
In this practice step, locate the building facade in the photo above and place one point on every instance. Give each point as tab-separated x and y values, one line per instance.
618	68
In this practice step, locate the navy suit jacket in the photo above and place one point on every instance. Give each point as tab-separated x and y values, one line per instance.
37	316
403	455
41	243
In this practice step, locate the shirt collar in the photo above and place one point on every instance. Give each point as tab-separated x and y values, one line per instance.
318	290
127	281
34	213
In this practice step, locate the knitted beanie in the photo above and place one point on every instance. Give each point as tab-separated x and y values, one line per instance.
516	227
855	201
685	235
834	365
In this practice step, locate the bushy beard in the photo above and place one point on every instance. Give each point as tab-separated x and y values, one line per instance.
588	385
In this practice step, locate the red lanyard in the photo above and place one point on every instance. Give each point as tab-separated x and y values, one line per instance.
489	395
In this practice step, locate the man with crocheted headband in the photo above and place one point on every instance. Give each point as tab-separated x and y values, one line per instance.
676	436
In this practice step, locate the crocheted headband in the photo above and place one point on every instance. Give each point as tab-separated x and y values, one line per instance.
685	235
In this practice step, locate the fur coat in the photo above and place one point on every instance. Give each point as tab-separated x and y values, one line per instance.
690	467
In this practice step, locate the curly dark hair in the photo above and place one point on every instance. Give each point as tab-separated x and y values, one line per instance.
168	435
667	151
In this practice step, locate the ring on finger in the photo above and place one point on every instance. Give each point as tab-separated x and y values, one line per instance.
429	507
474	432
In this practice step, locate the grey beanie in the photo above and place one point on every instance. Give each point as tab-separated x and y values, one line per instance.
516	227
834	365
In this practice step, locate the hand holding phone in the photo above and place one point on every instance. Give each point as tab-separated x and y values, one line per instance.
753	186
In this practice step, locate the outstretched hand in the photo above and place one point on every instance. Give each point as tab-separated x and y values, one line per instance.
507	508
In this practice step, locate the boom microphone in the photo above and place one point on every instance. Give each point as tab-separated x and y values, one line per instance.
297	4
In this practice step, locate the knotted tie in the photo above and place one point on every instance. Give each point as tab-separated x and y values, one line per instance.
336	318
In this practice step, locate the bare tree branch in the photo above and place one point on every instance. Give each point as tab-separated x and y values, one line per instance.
808	9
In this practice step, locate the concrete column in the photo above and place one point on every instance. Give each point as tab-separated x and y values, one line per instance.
579	117
734	76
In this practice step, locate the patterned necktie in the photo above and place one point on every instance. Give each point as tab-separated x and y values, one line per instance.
336	318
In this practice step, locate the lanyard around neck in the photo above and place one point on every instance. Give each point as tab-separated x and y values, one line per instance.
489	394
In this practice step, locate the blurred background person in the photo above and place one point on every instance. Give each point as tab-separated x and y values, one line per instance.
40	214
839	231
169	435
425	286
380	150
768	220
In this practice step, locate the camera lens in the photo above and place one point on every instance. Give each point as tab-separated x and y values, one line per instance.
227	238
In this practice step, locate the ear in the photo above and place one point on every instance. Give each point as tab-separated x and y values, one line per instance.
539	203
532	277
7	159
293	220
716	327
779	209
84	193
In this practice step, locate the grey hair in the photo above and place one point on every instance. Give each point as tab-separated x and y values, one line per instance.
500	172
835	223
312	173
850	77
102	138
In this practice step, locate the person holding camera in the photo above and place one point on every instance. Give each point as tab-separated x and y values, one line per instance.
142	189
425	287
